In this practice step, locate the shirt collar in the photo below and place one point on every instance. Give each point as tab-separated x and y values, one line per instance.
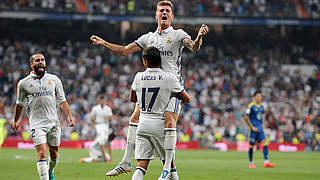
153	69
165	31
36	76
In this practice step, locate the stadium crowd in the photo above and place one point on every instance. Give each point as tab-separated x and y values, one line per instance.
237	8
221	79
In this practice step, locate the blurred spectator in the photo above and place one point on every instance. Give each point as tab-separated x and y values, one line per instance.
220	80
234	8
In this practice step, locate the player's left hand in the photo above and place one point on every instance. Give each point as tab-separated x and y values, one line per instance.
204	29
71	121
16	126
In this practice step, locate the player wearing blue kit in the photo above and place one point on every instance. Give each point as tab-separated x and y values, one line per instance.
254	118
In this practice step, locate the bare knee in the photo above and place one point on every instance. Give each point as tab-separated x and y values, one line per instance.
41	151
53	152
42	155
143	163
170	120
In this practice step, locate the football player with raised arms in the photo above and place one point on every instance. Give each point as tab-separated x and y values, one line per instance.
41	93
152	91
170	42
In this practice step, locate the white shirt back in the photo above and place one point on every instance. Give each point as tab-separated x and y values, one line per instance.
41	98
154	88
101	113
169	42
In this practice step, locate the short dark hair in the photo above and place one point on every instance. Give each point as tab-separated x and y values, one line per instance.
101	97
257	92
152	55
112	136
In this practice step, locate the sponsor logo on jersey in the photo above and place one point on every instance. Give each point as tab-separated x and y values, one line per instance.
42	93
163	51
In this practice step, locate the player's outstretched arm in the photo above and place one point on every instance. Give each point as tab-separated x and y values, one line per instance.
18	110
65	108
118	49
195	45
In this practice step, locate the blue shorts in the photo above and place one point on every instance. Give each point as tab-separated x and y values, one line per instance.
256	136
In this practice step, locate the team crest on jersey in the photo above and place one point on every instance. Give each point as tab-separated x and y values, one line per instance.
49	82
169	40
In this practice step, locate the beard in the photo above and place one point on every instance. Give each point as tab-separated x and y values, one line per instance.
39	72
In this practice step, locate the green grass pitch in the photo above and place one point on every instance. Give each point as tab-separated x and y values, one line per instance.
192	165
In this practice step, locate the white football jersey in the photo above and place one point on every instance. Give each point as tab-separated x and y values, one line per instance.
154	88
169	42
41	98
100	113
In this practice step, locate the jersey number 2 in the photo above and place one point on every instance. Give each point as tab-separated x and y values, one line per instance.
155	92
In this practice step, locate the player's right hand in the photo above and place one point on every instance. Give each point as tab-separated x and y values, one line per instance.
96	40
254	129
71	121
16	126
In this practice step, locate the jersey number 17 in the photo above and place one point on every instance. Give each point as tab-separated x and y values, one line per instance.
154	92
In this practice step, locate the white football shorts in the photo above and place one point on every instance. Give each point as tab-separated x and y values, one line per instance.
50	135
174	105
148	147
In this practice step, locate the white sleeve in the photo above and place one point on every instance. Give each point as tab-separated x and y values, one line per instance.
21	95
60	97
93	112
110	111
248	111
142	41
182	35
175	85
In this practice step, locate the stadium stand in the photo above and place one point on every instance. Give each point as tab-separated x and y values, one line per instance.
221	78
235	60
237	8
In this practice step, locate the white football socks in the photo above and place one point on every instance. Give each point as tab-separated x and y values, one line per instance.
43	169
131	138
174	174
169	145
52	164
138	173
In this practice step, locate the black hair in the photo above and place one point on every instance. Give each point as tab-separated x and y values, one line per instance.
257	92
152	55
111	137
101	97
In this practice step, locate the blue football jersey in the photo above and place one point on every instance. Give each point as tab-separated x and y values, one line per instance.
255	113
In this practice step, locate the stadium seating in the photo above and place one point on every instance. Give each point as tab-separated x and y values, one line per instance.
233	8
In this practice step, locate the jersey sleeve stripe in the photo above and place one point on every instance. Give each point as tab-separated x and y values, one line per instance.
138	44
184	38
176	107
181	91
